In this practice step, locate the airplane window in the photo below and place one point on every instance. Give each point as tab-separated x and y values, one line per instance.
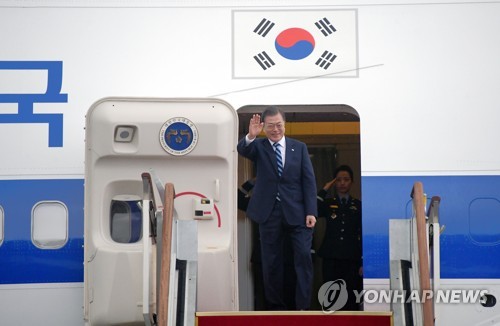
49	225
1	225
126	219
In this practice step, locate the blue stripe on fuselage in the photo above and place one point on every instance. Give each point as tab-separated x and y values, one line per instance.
469	248
469	209
21	261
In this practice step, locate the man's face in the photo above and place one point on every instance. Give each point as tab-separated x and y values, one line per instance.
343	182
274	127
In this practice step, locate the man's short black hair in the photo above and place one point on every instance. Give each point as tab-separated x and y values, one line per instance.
272	111
345	168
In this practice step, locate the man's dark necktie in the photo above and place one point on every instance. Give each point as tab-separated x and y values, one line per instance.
344	201
279	160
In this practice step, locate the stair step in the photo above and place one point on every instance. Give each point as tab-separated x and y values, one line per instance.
294	318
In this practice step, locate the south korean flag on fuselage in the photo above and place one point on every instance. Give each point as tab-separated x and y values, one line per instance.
295	43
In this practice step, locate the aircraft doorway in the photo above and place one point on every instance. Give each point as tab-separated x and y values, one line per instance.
332	135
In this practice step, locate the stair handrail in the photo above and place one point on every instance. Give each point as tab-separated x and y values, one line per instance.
423	253
164	288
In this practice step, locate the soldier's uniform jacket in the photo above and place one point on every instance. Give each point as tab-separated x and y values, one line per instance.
343	227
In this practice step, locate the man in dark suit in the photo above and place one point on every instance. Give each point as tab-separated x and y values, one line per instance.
289	278
283	202
341	249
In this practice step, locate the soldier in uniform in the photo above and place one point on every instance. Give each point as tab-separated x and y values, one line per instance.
341	249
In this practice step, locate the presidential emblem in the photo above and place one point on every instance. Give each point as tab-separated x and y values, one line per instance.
178	136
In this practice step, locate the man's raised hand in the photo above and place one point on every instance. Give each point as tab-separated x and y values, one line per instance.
255	126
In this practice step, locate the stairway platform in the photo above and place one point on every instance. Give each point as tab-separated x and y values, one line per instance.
294	318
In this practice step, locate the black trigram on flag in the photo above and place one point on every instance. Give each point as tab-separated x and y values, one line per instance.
325	60
325	26
264	60
264	27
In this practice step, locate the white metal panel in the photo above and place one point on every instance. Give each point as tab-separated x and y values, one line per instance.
41	304
423	71
115	168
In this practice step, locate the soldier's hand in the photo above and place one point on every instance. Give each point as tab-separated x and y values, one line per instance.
329	184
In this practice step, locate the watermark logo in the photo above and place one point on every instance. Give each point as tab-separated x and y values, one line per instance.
421	296
333	295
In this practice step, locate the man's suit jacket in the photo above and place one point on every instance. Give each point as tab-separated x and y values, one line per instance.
296	186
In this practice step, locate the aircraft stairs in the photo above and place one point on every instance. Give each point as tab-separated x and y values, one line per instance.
414	255
176	298
176	271
414	250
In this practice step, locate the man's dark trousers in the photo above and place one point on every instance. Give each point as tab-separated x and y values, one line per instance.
272	233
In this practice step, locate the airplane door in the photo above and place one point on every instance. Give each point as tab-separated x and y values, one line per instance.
190	143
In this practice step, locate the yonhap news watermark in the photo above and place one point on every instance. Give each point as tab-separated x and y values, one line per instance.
420	296
333	296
